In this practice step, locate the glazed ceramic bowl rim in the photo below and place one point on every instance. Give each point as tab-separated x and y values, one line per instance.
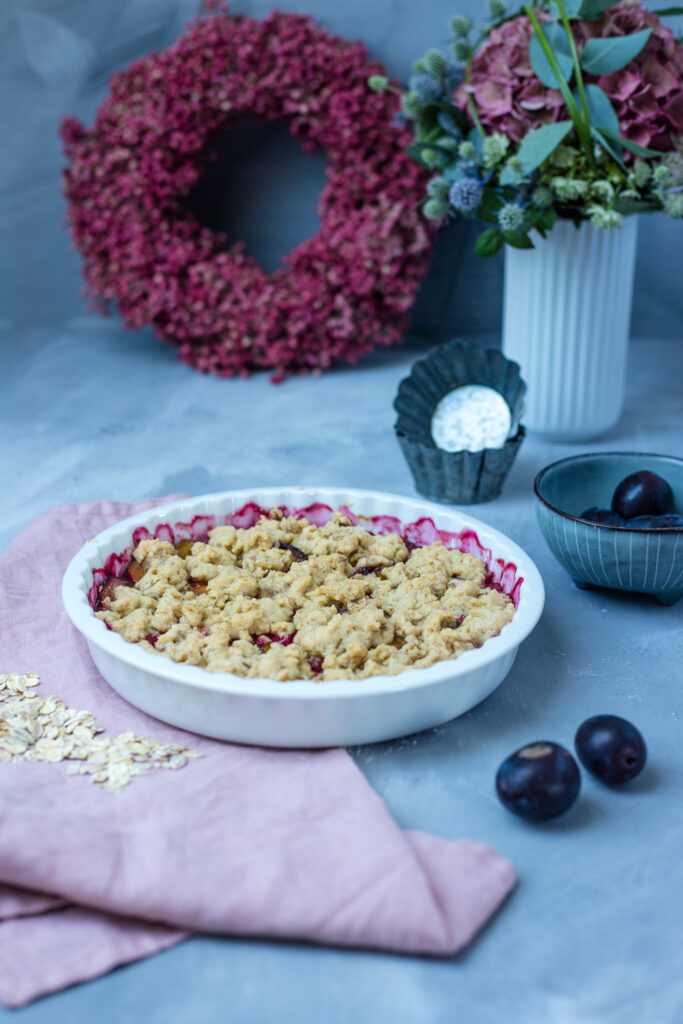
673	530
94	552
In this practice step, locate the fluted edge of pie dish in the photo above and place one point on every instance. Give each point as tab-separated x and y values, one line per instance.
116	656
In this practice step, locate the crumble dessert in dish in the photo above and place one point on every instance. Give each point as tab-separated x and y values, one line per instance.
287	599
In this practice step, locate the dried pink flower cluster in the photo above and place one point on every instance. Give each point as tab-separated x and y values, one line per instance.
647	94
340	293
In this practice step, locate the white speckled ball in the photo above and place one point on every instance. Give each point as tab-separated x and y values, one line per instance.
471	418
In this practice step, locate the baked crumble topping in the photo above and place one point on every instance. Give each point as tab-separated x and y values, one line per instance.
285	599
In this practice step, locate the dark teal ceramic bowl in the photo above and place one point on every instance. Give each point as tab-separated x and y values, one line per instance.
619	557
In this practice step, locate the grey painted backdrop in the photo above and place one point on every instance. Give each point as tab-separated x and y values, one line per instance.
55	57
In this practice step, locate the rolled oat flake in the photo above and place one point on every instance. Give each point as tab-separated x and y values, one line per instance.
471	418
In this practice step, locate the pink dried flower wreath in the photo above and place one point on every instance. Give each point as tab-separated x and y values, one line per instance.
341	292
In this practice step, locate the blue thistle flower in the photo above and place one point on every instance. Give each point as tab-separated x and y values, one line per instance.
426	87
466	194
452	77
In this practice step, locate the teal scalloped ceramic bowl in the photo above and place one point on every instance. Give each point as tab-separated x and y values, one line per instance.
619	557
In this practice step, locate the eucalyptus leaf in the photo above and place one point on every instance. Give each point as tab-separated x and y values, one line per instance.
603	56
600	110
489	242
594	8
539	143
632	147
559	44
600	136
571	8
475	137
509	177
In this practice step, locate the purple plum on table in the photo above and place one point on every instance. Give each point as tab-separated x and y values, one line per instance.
539	781
611	748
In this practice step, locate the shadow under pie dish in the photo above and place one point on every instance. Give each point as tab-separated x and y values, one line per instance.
363	689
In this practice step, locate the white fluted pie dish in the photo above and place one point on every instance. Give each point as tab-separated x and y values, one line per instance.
306	713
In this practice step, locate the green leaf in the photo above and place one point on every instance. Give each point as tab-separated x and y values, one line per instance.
667	12
427	127
489	242
601	138
518	240
539	143
603	56
536	222
415	151
594	8
489	206
547	219
600	110
628	206
559	44
632	147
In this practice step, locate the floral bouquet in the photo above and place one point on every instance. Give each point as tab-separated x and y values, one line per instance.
570	108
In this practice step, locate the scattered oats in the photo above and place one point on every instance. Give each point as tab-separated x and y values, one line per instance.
49	749
33	729
15	683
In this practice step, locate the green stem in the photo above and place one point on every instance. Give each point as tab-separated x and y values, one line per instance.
570	103
577	73
472	105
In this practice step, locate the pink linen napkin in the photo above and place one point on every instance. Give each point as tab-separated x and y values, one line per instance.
243	841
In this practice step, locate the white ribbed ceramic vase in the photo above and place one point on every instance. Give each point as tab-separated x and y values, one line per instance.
566	316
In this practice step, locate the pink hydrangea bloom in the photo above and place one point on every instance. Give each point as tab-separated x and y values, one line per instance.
337	295
647	94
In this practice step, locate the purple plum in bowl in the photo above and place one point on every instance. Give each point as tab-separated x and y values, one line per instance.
615	519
